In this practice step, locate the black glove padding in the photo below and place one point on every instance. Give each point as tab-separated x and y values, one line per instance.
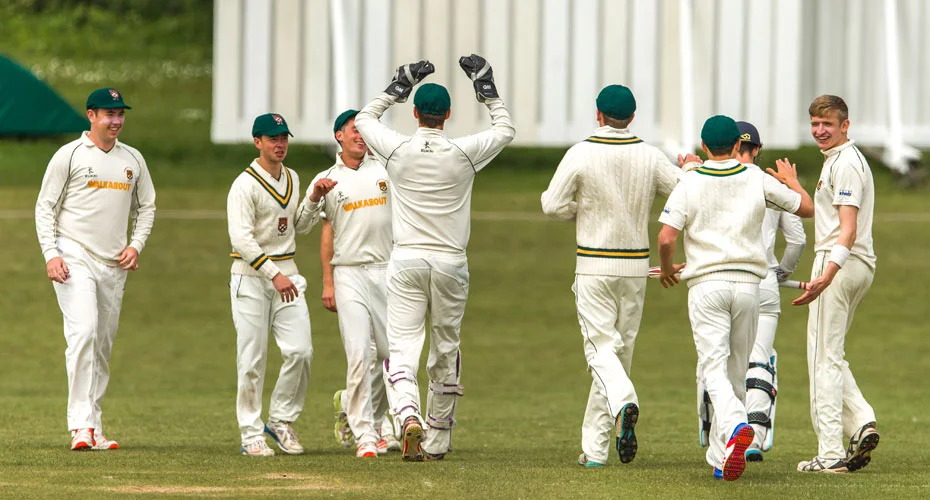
406	77
480	72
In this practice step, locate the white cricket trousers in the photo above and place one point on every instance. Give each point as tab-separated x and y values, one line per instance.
837	406
417	287
90	303
762	351
610	309
724	318
361	301
257	308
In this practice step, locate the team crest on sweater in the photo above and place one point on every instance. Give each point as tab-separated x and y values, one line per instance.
128	172
282	225
383	185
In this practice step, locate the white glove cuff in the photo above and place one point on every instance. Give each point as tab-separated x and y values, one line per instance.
839	254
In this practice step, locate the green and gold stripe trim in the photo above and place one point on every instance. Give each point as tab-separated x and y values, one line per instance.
282	199
721	173
614	253
613	140
261	259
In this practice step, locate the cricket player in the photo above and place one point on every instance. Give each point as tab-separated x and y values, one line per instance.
92	187
354	250
761	379
721	206
607	183
266	290
431	178
844	266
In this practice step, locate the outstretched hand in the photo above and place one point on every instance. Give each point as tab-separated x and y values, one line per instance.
787	172
321	188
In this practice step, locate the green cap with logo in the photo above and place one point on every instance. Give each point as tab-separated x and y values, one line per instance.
343	118
270	124
616	101
106	98
432	99
720	131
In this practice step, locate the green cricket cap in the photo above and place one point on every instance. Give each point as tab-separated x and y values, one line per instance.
106	98
720	131
432	99
343	118
616	101
270	124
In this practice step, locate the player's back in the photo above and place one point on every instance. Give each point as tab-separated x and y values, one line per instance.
725	209
431	181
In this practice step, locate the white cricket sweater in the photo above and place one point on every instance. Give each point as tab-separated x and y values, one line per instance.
359	210
88	196
720	207
263	217
845	179
791	227
607	184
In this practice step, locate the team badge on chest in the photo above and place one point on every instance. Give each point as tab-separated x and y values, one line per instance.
383	185
282	225
128	172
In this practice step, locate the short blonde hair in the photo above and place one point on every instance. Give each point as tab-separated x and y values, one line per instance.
827	103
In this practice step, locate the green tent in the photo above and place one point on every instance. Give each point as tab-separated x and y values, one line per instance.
29	107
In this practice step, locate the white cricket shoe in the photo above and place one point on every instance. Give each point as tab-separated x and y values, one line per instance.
391	441
82	439
818	464
257	448
861	444
102	443
285	437
367	450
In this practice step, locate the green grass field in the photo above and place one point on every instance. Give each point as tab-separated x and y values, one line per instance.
171	400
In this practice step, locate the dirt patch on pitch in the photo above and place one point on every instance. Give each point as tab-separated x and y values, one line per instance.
285	482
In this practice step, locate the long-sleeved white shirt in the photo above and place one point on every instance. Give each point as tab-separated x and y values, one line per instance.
720	207
359	210
263	217
845	179
432	177
88	196
607	184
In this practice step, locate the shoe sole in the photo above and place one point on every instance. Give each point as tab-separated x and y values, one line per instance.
413	436
281	447
113	446
863	454
247	454
626	438
753	456
736	463
82	446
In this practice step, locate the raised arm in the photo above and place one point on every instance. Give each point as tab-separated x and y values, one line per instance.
380	138
313	204
481	148
787	174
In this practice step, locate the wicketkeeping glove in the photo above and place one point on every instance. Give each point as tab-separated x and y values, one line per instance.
481	74
406	77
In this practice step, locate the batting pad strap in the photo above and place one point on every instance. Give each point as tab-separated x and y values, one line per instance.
762	385
446	389
442	424
402	375
399	411
760	418
765	366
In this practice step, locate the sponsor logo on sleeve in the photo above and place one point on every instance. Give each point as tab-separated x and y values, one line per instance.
666	210
845	192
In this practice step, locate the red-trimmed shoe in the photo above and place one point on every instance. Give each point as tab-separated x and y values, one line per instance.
366	450
734	462
102	443
82	439
413	436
